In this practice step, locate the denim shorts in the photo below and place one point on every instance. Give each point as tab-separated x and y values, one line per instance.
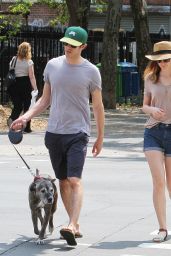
158	138
67	153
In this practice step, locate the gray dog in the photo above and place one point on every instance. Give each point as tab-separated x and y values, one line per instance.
42	194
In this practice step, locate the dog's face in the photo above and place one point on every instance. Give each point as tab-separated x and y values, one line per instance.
44	191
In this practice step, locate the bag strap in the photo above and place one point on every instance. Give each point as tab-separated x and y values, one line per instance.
13	63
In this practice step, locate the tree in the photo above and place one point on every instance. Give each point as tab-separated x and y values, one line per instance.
62	15
10	20
110	52
140	16
78	12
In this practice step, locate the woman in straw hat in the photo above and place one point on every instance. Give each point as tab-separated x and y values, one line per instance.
157	135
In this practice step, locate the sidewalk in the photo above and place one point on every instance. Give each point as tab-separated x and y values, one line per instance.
117	218
123	135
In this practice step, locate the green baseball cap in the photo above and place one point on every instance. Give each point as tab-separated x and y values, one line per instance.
75	36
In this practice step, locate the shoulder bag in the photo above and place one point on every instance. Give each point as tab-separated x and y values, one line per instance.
10	79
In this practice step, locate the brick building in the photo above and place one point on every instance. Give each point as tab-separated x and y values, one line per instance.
40	14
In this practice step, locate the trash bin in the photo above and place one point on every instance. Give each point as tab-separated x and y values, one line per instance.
127	70
127	80
135	77
119	82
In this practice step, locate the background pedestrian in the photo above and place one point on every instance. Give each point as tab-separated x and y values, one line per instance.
25	84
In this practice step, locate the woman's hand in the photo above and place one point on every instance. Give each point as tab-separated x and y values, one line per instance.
158	113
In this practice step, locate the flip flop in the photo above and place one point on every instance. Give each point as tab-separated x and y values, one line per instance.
77	235
161	236
69	236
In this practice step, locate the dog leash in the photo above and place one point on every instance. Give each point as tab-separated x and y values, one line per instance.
28	167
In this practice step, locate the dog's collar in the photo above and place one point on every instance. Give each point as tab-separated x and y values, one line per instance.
37	178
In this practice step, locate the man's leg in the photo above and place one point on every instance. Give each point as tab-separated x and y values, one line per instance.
72	195
67	155
71	187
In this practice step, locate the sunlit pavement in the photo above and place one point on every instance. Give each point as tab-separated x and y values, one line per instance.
117	216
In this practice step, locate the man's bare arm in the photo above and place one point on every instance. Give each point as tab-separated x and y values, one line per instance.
40	106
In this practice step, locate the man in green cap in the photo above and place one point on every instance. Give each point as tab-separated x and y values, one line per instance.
69	81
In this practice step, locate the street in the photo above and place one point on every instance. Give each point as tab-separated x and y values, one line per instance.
117	218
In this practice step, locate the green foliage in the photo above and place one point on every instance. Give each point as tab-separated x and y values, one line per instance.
51	3
99	1
62	15
10	23
21	6
101	5
62	19
9	26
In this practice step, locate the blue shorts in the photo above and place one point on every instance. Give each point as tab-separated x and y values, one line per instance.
67	153
158	138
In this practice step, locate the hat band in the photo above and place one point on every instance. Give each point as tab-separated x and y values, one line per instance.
161	52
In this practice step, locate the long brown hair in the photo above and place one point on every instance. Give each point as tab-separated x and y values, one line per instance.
152	71
24	51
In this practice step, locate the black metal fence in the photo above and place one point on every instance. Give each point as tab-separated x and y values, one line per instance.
45	45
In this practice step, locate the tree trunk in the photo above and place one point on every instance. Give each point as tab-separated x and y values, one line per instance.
142	35
79	12
110	53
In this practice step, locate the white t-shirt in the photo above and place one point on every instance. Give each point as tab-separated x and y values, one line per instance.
22	67
71	86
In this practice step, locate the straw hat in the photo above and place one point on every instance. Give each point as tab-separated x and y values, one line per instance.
161	51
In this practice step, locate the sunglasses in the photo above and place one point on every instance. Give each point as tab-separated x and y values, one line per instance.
167	60
72	46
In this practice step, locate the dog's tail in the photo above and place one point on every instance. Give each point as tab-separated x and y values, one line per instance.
37	176
37	173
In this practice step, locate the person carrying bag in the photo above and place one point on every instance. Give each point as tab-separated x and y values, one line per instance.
25	83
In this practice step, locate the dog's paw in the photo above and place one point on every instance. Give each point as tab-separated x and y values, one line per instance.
51	229
40	241
36	232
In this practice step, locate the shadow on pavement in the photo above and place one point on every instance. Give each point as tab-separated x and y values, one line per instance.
31	248
119	245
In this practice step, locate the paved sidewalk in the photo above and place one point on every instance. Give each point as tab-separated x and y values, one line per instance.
117	216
